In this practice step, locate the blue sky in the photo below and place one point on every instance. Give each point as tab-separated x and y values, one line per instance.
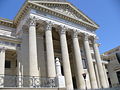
106	13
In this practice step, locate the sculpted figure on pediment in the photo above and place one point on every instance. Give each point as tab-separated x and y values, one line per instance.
65	11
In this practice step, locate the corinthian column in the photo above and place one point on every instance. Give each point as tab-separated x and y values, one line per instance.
90	63
2	66
78	59
99	65
33	62
49	51
65	58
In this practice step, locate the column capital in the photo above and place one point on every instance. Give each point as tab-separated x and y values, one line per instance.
32	21
75	34
95	38
86	36
63	30
49	25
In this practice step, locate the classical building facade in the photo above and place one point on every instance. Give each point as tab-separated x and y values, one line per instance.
113	67
50	44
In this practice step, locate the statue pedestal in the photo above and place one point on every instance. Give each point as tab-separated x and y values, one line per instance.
61	81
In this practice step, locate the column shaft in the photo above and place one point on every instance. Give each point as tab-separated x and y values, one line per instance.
50	52
66	62
33	63
100	67
2	66
90	63
105	75
78	59
97	76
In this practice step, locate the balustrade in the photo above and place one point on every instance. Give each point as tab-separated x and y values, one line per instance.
27	81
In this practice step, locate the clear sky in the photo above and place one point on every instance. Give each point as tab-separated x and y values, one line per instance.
106	13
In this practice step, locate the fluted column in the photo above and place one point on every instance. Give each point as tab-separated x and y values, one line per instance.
65	58
33	62
99	65
90	63
78	59
2	66
97	75
105	74
49	51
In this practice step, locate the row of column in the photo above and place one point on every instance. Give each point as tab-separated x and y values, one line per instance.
33	69
65	57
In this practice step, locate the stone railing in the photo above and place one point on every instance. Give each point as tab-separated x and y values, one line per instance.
27	81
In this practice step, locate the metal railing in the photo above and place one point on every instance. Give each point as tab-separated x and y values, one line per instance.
27	81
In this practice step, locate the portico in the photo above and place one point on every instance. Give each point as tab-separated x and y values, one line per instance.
48	31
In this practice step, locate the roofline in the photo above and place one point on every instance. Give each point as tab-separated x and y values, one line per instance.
73	6
27	3
111	50
84	14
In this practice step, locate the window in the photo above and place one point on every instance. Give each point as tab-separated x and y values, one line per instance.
118	75
12	44
7	64
84	63
7	43
18	45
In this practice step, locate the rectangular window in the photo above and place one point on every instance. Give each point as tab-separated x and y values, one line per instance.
12	44
118	76
7	43
84	63
7	64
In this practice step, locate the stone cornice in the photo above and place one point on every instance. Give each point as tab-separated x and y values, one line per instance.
7	22
28	4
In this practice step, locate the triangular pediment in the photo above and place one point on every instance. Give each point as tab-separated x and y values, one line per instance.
66	9
63	10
